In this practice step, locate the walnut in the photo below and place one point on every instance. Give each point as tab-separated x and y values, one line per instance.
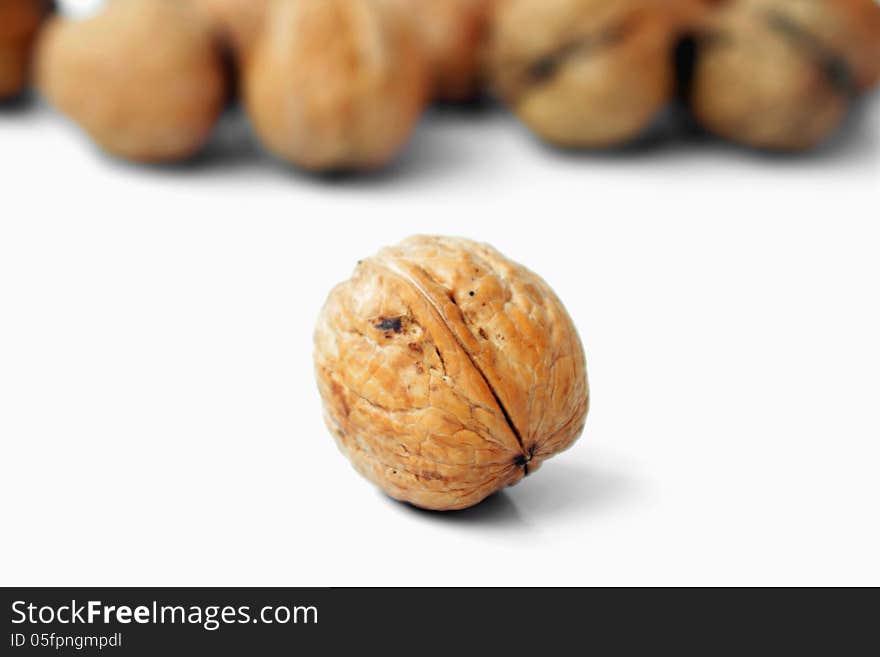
20	21
143	78
448	372
335	84
588	73
782	74
453	34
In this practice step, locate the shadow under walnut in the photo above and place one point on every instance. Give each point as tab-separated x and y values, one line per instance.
448	372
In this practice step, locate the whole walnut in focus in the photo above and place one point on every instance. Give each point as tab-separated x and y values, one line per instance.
448	372
237	22
335	85
782	74
453	34
20	22
143	78
588	73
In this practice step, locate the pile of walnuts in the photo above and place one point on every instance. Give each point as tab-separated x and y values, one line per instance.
340	84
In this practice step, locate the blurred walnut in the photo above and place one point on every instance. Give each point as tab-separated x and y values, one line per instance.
143	78
237	22
453	34
20	21
781	74
335	84
588	73
448	372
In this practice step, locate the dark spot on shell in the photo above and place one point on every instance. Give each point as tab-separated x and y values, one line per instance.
544	68
520	461
839	73
416	347
472	293
395	325
483	334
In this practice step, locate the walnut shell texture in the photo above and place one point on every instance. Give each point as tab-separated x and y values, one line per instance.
20	22
448	372
336	84
587	73
781	74
144	78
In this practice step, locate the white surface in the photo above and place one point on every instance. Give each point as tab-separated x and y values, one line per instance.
160	426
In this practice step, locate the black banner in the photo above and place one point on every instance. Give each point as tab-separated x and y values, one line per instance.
122	621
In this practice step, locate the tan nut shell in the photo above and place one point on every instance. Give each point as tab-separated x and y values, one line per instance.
587	73
335	84
20	21
453	34
448	371
143	78
781	74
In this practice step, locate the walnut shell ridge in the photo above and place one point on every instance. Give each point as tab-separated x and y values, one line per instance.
448	372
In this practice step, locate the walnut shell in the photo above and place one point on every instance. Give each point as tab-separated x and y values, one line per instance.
453	34
587	73
20	21
335	84
143	78
781	74
448	371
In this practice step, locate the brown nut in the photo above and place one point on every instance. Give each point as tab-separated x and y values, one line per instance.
448	372
237	22
143	78
587	73
20	21
453	34
781	74
335	84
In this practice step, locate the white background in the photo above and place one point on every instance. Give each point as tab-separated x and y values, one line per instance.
159	423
